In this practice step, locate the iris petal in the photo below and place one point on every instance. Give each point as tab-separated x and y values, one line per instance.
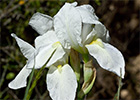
21	79
27	49
67	24
108	57
41	23
61	83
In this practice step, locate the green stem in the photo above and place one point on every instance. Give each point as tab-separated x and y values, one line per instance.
85	58
35	82
29	83
80	92
120	85
117	95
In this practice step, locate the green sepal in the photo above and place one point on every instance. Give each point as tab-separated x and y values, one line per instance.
89	78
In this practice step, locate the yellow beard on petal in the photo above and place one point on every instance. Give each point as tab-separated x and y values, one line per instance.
59	68
56	44
98	42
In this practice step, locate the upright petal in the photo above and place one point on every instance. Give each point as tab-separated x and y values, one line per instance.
86	29
45	39
99	31
41	23
108	57
102	32
61	83
57	55
90	37
43	55
27	49
87	14
67	24
74	4
21	79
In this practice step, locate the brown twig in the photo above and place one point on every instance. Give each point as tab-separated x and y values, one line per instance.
6	11
6	52
38	94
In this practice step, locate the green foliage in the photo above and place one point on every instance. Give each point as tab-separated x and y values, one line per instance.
98	2
10	75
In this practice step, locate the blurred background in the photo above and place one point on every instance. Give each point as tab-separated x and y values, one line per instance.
121	17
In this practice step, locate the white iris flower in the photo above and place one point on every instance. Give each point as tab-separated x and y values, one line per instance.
44	51
71	27
73	24
52	53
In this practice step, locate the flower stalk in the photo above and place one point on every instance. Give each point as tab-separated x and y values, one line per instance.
37	77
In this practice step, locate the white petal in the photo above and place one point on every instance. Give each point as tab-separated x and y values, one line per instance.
86	29
99	31
21	79
102	32
87	14
43	55
31	63
62	84
45	39
58	54
74	4
41	22
62	60
67	24
108	57
90	36
27	49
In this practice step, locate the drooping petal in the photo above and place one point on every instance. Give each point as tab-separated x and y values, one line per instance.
87	14
45	39
41	23
27	49
108	57
58	54
21	79
67	24
61	83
